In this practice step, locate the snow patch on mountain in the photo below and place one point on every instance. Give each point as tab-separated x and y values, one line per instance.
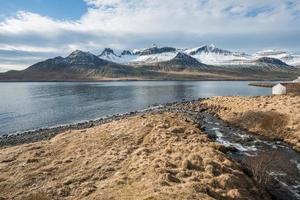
154	58
109	54
211	55
290	59
206	54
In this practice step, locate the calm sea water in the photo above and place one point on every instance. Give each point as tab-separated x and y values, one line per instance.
26	106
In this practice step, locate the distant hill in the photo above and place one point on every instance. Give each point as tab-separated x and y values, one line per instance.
267	63
78	65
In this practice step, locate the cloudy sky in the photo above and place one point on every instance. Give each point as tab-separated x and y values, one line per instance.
32	30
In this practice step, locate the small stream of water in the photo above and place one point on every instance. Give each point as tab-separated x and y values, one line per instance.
284	173
285	170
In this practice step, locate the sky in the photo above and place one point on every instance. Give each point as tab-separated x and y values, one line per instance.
34	30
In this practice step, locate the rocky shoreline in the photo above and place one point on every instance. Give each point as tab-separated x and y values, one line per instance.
48	133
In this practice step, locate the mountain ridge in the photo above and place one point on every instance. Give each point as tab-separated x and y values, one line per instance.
154	64
206	54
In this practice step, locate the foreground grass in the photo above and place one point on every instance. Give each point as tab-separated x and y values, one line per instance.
151	156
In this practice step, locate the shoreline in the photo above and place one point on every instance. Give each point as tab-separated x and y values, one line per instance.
46	133
135	80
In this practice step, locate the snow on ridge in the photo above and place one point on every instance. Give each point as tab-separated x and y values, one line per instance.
154	58
290	59
210	55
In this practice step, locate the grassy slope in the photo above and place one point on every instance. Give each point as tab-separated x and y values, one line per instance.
151	156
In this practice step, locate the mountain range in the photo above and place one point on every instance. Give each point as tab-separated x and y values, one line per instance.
202	63
208	54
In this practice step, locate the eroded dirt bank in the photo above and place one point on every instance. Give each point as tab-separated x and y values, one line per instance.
148	156
276	117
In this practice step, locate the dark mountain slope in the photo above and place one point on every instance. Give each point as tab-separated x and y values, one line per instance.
180	62
78	65
84	66
272	64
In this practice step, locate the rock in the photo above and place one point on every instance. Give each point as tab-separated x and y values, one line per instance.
232	149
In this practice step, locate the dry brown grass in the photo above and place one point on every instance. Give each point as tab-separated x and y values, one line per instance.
273	124
154	156
37	196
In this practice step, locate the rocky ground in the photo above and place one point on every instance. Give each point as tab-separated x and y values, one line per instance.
272	116
146	156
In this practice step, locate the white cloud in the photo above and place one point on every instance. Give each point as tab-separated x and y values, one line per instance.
17	47
135	23
14	66
26	22
100	3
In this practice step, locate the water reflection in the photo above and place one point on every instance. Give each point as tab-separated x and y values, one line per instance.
25	106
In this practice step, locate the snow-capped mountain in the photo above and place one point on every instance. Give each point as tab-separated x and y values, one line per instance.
144	56
207	54
293	60
207	49
81	58
156	63
109	54
211	55
126	53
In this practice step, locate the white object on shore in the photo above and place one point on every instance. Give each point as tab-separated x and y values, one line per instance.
297	80
279	89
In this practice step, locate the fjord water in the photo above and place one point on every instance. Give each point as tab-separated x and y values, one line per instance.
26	106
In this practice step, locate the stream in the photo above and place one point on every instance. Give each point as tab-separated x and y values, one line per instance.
285	169
283	173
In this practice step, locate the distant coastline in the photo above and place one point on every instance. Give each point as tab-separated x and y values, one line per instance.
162	79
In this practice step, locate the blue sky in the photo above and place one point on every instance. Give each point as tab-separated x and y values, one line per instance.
33	30
57	9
